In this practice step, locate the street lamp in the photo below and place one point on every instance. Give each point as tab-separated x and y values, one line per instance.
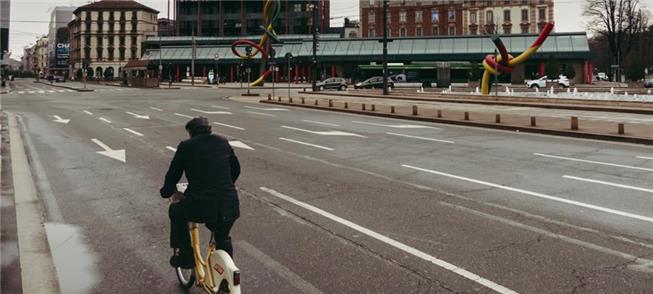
216	75
289	59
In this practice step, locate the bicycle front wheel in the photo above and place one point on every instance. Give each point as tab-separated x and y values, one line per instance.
186	277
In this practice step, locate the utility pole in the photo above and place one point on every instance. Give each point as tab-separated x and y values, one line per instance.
496	73
316	32
192	62
385	47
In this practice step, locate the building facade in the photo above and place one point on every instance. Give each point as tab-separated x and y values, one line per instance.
58	47
506	17
105	35
5	15
41	55
218	18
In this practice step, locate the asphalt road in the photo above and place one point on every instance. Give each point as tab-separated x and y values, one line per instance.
338	203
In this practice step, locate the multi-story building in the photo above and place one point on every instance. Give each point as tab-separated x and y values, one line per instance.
41	55
506	17
218	18
28	57
58	35
105	35
412	18
352	29
4	36
166	27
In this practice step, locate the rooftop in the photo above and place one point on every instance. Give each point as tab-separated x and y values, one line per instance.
115	5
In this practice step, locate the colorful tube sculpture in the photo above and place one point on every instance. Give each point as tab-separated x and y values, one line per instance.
271	12
506	62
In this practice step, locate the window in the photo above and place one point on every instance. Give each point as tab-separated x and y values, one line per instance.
110	54
99	53
99	40
524	29
524	15
542	14
371	33
371	17
435	31
452	30
134	41
435	16
507	30
133	51
402	32
122	41
418	32
452	15
506	16
122	54
297	8
418	16
473	31
472	17
402	16
489	17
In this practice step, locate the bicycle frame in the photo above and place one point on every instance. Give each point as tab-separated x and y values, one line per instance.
214	270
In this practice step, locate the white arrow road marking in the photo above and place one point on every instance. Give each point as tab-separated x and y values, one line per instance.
239	144
594	162
307	144
220	107
88	112
173	149
157	109
538	195
136	115
183	115
401	126
119	155
320	123
105	120
60	120
133	132
644	157
394	243
421	138
229	126
268	109
210	112
260	113
328	133
608	184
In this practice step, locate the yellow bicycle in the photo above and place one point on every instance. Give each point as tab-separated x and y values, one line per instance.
215	274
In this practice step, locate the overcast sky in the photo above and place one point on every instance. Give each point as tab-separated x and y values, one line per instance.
29	18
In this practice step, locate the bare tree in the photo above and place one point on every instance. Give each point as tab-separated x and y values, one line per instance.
619	21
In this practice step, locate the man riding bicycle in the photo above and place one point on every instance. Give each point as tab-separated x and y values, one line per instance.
211	167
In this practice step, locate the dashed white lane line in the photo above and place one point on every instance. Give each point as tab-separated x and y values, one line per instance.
210	112
173	149
21	92
394	243
220	107
535	194
307	144
52	91
133	132
88	112
326	133
593	162
71	91
31	92
61	91
105	120
268	109
229	126
41	92
320	123
608	184
157	109
183	115
260	113
400	126
422	138
644	157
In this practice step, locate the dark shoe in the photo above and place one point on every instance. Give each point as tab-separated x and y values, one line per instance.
183	260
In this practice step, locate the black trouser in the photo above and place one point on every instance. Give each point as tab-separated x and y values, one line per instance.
180	237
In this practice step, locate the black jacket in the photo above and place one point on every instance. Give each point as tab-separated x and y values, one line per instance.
211	168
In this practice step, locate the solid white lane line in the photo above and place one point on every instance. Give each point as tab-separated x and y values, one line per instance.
105	120
307	144
422	138
157	109
133	132
608	184
320	123
396	244
210	112
535	194
644	157
88	112
268	109
229	126
220	107
401	126
173	149
260	113
183	115
594	162
327	133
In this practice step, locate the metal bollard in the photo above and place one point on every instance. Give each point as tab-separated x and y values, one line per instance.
363	106
574	123
289	99
439	113
466	115
414	109
330	103
373	107
392	109
498	118
346	105
622	129
303	100
316	102
269	96
279	98
533	122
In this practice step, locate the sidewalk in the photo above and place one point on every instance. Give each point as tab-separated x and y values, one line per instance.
595	129
75	86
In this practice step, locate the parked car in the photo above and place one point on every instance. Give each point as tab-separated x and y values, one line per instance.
602	76
648	83
374	83
332	83
563	81
59	78
537	83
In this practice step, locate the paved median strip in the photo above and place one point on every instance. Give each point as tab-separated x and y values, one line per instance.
535	194
394	243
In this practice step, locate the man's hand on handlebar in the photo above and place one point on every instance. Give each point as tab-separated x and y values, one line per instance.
176	197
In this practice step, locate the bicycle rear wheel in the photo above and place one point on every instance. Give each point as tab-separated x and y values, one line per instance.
186	277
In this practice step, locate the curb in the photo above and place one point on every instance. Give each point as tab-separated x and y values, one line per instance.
66	87
158	88
495	102
562	133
